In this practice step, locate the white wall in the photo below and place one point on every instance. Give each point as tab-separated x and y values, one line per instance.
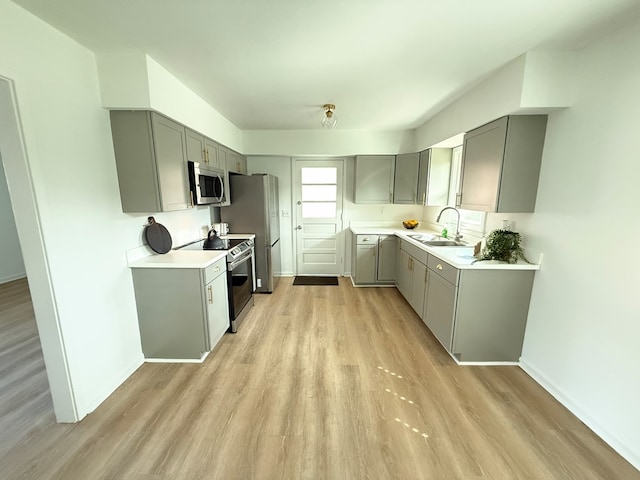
496	96
83	287
137	81
11	264
331	143
536	82
583	327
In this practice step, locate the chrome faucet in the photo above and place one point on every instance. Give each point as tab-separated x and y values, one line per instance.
458	236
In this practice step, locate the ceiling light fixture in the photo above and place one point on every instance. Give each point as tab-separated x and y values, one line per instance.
329	120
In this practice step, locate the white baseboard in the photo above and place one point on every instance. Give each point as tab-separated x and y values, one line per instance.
630	455
177	360
284	274
11	278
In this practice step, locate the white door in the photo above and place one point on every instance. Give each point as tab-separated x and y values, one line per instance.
318	202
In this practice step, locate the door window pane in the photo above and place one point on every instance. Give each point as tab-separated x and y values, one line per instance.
319	210
322	193
319	175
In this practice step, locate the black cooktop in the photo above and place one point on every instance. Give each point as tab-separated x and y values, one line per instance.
223	244
234	246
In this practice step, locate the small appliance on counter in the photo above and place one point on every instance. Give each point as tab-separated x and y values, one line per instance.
221	228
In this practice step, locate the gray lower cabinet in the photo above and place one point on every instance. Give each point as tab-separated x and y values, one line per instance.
151	155
387	252
434	176
478	315
374	176
440	305
403	272
182	312
501	164
405	184
365	265
412	275
373	259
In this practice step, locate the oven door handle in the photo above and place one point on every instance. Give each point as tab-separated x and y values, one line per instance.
240	260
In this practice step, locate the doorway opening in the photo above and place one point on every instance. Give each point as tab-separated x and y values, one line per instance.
37	295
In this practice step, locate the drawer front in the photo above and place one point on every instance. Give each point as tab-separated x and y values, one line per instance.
367	239
416	252
215	270
443	269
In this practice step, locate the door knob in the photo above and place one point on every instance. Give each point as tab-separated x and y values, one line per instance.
299	202
299	227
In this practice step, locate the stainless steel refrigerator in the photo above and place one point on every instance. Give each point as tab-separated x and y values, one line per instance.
254	209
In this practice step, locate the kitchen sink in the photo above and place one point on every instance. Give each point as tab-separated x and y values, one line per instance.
433	241
442	243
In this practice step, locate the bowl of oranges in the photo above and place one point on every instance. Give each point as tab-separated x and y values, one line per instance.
410	224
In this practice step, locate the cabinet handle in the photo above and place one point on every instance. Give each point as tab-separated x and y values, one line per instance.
366	239
191	195
390	197
424	198
204	155
216	269
458	199
439	266
210	288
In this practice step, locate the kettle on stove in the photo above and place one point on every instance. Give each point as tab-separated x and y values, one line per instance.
213	241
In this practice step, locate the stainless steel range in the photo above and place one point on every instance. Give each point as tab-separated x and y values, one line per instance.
240	273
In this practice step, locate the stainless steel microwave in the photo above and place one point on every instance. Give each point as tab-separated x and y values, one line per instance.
206	184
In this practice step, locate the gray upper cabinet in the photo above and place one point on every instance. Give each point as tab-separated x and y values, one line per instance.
434	176
211	149
235	162
201	149
501	165
405	185
196	151
374	176
151	155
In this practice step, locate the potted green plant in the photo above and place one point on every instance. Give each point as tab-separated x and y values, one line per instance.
504	246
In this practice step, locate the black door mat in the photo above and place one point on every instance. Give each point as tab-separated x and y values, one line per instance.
315	281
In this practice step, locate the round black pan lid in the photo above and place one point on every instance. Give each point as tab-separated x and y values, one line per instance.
157	236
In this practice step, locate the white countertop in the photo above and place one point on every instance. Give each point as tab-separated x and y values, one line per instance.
186	258
459	257
180	259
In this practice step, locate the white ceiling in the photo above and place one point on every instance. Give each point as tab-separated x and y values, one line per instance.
386	64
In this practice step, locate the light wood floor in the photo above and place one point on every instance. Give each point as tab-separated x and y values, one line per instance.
319	383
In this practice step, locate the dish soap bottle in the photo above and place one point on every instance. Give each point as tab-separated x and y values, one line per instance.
444	232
